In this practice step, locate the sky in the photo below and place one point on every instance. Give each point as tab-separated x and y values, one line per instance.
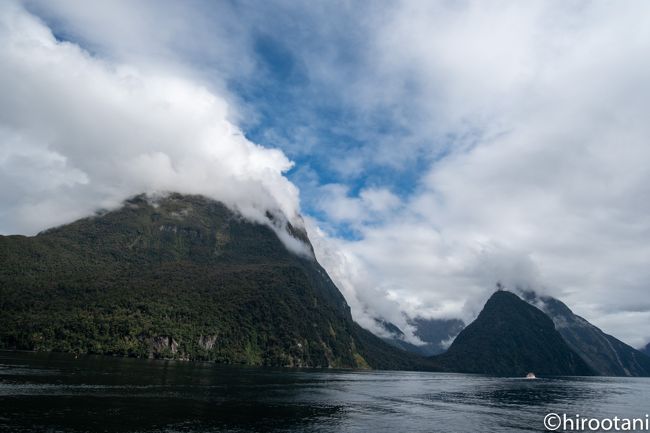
433	148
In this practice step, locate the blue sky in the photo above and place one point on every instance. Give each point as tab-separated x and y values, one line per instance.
438	147
293	107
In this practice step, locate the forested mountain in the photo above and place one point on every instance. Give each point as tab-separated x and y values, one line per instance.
511	338
180	277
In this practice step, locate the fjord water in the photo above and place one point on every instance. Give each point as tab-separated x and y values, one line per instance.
52	392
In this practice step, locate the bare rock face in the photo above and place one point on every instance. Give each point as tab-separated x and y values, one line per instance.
161	346
207	342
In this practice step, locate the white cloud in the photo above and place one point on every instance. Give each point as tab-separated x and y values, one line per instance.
379	199
79	133
372	204
368	300
546	183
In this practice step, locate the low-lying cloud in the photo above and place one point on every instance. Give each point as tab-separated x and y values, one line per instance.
78	133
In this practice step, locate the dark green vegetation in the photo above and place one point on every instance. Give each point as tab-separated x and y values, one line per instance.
185	278
605	354
511	337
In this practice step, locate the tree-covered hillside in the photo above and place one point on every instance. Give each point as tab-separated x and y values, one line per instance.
182	277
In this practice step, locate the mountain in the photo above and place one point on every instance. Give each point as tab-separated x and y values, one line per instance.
646	349
180	277
435	333
511	338
605	354
396	338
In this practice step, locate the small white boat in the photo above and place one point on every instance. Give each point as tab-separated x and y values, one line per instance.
531	376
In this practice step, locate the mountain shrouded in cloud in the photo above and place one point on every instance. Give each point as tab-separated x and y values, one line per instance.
440	147
78	133
180	277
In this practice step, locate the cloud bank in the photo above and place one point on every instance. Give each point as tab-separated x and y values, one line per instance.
540	112
78	133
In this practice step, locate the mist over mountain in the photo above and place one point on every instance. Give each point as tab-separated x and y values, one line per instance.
435	335
183	277
604	354
84	133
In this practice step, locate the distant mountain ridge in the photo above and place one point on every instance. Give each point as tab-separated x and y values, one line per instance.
434	333
183	277
605	354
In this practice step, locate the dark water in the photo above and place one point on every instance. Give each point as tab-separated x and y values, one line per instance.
57	393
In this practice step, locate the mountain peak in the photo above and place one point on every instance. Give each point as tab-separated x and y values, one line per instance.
511	338
175	211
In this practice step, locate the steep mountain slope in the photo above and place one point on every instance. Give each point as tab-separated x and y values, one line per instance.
433	332
511	338
646	349
605	354
182	277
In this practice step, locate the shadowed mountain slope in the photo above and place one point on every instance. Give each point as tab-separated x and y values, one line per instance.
511	338
605	354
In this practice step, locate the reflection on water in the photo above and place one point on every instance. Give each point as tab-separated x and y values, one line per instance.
58	393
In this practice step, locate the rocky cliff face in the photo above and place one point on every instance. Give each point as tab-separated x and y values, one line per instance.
605	354
179	277
511	338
